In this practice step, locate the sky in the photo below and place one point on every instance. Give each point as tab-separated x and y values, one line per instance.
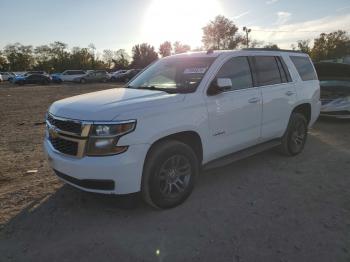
120	24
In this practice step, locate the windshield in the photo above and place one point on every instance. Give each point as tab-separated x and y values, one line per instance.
173	74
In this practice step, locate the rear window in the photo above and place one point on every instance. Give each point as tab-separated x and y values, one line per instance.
266	71
304	67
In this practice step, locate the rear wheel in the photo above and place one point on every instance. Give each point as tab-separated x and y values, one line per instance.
294	139
169	174
83	81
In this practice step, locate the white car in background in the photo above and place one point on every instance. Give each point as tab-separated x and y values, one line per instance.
115	74
70	75
6	76
0	78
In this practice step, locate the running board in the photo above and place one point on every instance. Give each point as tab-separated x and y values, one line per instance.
226	160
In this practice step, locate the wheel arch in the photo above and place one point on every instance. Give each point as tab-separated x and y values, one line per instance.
190	138
304	109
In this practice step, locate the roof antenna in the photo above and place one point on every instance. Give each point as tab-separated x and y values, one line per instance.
210	51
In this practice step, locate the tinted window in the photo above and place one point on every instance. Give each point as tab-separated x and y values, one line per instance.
238	70
284	72
304	67
266	70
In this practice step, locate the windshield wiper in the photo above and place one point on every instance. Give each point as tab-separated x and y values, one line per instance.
157	89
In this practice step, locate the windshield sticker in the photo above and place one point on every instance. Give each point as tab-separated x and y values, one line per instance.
195	70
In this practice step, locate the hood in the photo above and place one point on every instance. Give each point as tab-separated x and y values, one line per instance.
108	104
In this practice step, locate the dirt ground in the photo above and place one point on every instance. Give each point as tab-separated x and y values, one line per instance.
264	208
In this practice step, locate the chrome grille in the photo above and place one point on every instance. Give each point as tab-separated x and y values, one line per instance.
65	125
67	136
64	146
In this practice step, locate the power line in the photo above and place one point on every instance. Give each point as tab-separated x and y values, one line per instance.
287	31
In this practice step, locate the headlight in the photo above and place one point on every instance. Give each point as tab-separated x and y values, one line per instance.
103	139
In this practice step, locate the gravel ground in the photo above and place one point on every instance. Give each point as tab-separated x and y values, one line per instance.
264	208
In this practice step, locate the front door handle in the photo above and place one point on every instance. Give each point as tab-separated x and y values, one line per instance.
289	93
254	100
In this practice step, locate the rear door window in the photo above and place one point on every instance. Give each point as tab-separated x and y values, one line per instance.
304	67
266	71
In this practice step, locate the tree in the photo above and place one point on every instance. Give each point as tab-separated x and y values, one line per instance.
19	57
271	46
121	59
303	46
108	56
143	55
330	46
180	48
92	50
165	49
220	34
3	62
43	58
60	56
81	58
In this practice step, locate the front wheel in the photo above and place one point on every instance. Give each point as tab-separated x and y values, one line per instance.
169	174
294	139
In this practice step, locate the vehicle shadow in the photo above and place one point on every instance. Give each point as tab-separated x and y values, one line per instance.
266	206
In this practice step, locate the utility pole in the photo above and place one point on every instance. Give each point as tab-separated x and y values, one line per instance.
247	31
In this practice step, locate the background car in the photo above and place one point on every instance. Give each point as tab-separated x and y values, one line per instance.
7	76
127	76
55	78
92	76
335	89
32	79
113	75
0	78
35	72
70	75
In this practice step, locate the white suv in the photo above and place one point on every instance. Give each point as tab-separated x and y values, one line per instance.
182	113
70	75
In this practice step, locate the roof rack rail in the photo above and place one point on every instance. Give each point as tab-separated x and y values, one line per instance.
269	49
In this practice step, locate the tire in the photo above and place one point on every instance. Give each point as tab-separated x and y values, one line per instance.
126	80
82	81
162	185
294	139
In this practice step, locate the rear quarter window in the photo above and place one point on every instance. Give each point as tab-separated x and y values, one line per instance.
304	68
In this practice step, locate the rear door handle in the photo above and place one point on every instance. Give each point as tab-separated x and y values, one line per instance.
254	100
289	93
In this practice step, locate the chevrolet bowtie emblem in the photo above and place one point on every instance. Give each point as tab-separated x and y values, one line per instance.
53	132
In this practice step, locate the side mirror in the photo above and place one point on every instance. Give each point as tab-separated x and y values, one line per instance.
219	85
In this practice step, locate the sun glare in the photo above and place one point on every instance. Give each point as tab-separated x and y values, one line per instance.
178	20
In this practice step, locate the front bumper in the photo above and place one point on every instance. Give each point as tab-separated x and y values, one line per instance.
123	171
